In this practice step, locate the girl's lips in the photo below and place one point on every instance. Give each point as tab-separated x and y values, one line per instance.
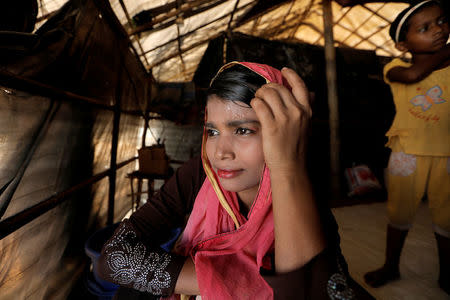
227	174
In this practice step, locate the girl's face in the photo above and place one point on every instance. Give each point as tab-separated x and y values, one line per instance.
234	146
428	30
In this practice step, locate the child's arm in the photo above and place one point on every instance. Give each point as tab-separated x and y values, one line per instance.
422	69
284	118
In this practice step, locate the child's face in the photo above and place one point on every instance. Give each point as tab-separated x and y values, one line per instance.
234	146
428	31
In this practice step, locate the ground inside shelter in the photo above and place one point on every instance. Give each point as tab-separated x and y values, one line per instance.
363	232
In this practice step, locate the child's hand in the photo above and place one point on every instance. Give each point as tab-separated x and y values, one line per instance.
284	118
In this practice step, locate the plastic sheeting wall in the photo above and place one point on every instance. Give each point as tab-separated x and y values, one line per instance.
80	51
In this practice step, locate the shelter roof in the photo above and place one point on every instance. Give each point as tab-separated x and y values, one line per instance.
170	36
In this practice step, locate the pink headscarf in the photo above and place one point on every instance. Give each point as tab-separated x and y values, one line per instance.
227	249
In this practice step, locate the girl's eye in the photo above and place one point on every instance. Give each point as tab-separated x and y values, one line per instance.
243	131
423	29
212	132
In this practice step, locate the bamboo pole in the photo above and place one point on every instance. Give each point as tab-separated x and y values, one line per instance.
138	36
28	85
17	221
114	147
194	30
32	86
10	188
330	60
232	15
113	163
185	50
174	13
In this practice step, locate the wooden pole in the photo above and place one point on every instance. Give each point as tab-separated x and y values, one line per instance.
187	10
15	222
330	61
138	38
35	87
114	146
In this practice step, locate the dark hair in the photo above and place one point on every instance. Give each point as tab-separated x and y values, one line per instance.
405	26
236	83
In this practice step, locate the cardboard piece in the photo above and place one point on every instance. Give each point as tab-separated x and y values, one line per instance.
153	160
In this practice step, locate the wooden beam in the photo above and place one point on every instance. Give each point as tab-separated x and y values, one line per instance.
376	13
330	61
114	146
286	15
362	24
195	30
262	7
380	28
364	39
11	224
105	8
138	37
232	15
29	85
186	49
45	17
190	47
180	52
337	21
188	7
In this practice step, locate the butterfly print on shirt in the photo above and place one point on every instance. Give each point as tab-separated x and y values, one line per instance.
432	96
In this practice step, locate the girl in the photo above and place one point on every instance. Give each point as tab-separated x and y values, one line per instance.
419	162
254	230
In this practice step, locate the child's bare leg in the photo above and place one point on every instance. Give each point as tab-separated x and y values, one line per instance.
444	262
395	238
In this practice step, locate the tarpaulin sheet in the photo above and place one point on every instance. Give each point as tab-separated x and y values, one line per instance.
50	142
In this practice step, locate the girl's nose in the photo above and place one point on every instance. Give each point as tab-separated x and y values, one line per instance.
224	148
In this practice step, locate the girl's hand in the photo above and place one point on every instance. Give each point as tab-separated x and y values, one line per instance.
284	118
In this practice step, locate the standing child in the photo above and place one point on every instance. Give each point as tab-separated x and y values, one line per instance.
419	136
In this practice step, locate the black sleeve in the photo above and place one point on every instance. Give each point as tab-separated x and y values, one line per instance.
324	277
127	261
169	208
132	257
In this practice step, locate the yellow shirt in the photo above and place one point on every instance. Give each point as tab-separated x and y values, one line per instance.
421	122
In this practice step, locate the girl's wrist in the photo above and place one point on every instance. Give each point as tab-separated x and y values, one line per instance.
290	175
288	168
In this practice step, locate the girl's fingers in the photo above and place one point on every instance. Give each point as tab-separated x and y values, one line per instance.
284	102
271	96
299	89
263	111
285	95
283	115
